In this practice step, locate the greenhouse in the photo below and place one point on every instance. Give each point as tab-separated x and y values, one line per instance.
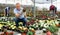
29	17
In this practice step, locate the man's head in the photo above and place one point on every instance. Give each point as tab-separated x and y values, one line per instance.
18	6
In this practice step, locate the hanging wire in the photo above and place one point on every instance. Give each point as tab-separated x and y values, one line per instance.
55	9
14	0
56	6
43	7
6	1
56	3
21	2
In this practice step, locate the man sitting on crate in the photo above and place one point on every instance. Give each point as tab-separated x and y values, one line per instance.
20	15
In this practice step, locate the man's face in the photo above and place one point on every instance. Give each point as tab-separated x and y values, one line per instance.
18	6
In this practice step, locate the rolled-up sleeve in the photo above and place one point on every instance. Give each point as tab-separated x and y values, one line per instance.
15	11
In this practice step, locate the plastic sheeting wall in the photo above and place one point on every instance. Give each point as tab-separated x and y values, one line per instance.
22	2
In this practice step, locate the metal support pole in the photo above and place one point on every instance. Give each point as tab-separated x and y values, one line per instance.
34	9
51	2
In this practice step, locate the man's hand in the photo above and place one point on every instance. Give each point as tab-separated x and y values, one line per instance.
17	15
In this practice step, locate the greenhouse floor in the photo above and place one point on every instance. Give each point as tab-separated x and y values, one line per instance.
38	32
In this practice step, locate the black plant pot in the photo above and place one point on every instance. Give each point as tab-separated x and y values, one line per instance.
44	31
40	28
36	28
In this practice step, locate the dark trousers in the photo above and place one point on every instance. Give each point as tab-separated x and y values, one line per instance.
17	20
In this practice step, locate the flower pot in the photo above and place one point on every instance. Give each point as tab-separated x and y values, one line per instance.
23	34
2	34
48	33
8	33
